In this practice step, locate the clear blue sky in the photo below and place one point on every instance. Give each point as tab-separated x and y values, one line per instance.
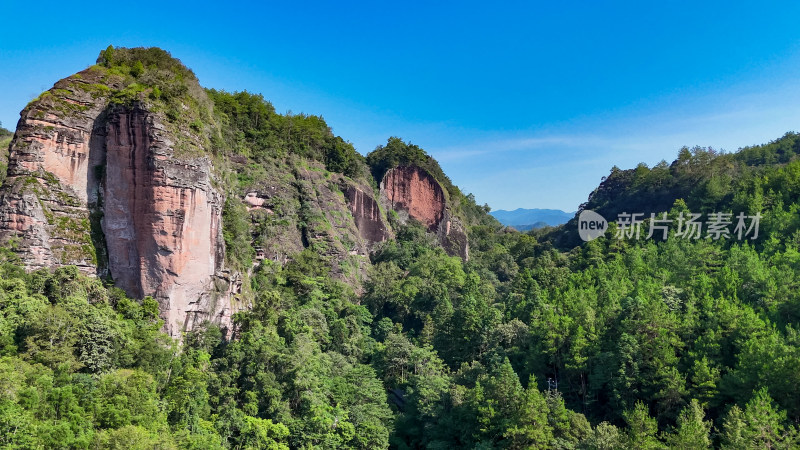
525	105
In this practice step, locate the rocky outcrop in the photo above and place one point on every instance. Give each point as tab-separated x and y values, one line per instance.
296	204
413	190
452	236
414	193
100	186
112	174
44	204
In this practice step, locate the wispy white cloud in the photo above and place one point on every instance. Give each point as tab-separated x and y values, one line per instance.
750	120
558	168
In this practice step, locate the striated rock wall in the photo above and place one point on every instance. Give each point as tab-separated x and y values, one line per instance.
44	201
366	213
412	191
162	219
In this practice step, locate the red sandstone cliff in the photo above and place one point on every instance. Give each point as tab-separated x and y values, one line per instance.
100	187
162	218
100	184
411	189
414	193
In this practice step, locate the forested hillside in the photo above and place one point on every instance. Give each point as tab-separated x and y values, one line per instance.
753	179
535	341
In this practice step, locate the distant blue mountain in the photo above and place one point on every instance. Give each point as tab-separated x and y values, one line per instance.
526	219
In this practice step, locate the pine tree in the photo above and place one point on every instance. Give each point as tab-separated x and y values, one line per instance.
642	428
692	431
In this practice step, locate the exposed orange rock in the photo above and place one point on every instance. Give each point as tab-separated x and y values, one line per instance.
414	192
162	218
411	189
160	232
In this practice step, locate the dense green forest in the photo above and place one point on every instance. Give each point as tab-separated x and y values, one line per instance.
536	341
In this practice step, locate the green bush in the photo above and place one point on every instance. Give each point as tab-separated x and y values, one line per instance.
236	231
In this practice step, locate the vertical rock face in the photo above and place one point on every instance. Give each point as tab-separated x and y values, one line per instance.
100	187
44	200
162	218
366	213
412	191
99	178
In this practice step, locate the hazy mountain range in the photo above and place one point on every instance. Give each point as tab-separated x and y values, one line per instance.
525	219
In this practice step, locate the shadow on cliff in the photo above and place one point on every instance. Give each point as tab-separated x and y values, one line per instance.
94	192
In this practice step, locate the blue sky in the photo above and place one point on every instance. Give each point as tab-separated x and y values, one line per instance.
524	104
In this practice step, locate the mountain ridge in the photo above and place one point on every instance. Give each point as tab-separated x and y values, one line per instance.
133	172
529	217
